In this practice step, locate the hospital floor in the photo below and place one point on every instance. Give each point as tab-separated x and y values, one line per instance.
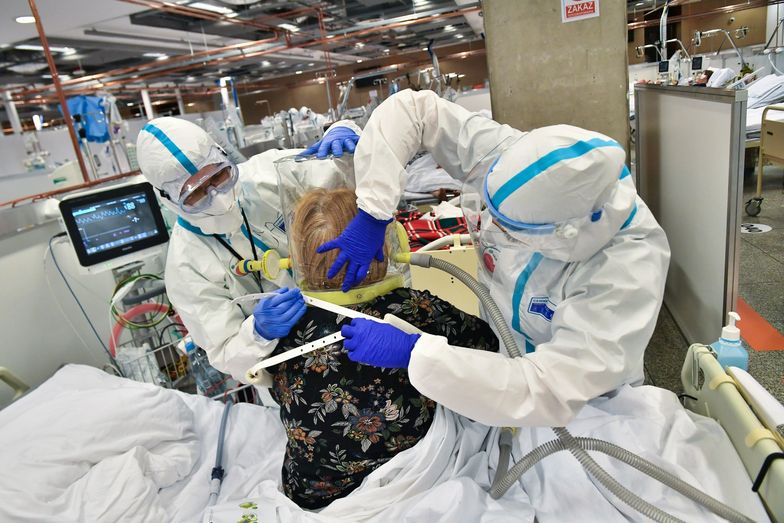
762	299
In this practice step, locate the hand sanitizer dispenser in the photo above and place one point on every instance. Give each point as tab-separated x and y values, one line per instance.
728	348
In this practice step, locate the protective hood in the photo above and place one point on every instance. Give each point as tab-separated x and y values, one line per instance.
170	151
561	191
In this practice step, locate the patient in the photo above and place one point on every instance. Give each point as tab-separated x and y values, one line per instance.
342	419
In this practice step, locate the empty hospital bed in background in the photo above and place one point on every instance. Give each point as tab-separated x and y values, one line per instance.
769	141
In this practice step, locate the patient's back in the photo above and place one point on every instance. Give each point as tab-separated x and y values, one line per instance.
344	419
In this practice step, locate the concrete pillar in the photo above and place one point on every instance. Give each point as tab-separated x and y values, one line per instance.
147	104
10	110
545	72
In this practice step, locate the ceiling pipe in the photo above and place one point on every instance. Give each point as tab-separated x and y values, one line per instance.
202	14
749	4
148	65
59	89
215	54
327	60
271	83
49	194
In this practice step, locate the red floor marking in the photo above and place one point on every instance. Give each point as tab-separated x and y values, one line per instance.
756	331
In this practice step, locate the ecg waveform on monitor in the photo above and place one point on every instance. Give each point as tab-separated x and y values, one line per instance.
98	216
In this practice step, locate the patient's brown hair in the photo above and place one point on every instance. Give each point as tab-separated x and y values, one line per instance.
320	216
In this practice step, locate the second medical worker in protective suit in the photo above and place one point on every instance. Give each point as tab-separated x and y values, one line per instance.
226	212
572	256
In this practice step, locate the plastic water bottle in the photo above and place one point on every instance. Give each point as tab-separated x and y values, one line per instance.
209	381
728	348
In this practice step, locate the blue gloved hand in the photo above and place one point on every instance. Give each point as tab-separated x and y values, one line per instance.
274	317
360	242
378	344
335	141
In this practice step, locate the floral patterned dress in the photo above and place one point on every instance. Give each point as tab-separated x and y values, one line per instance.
344	419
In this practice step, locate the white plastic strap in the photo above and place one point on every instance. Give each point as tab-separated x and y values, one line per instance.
254	373
337	309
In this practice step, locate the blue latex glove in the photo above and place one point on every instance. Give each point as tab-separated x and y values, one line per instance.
335	142
274	317
378	344
360	242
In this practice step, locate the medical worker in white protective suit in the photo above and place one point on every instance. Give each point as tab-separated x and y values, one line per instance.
570	253
226	212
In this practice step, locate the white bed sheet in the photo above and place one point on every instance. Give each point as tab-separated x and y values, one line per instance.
425	176
754	118
86	446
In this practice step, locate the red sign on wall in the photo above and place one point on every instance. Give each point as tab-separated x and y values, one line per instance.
573	10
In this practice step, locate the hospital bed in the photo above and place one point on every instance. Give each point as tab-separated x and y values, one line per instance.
763	130
709	390
154	448
765	133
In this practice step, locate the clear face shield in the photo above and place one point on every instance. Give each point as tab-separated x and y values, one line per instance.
318	202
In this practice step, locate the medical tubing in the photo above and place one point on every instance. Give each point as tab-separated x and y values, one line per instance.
631	459
773	65
505	440
665	477
73	294
217	470
495	315
610	483
491	309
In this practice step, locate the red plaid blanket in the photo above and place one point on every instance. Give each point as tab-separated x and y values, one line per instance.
421	232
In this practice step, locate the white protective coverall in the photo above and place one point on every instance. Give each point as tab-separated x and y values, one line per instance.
199	278
584	315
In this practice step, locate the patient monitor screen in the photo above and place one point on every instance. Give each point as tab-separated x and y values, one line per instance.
116	222
113	223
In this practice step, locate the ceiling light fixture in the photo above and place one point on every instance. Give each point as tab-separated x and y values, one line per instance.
129	104
449	28
298	72
289	27
311	64
154	55
424	48
458	36
67	51
214	8
266	63
330	36
359	45
26	19
360	61
162	57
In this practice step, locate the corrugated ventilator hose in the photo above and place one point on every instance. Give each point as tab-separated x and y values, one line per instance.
578	447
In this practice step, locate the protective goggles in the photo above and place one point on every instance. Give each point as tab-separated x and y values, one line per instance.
218	176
